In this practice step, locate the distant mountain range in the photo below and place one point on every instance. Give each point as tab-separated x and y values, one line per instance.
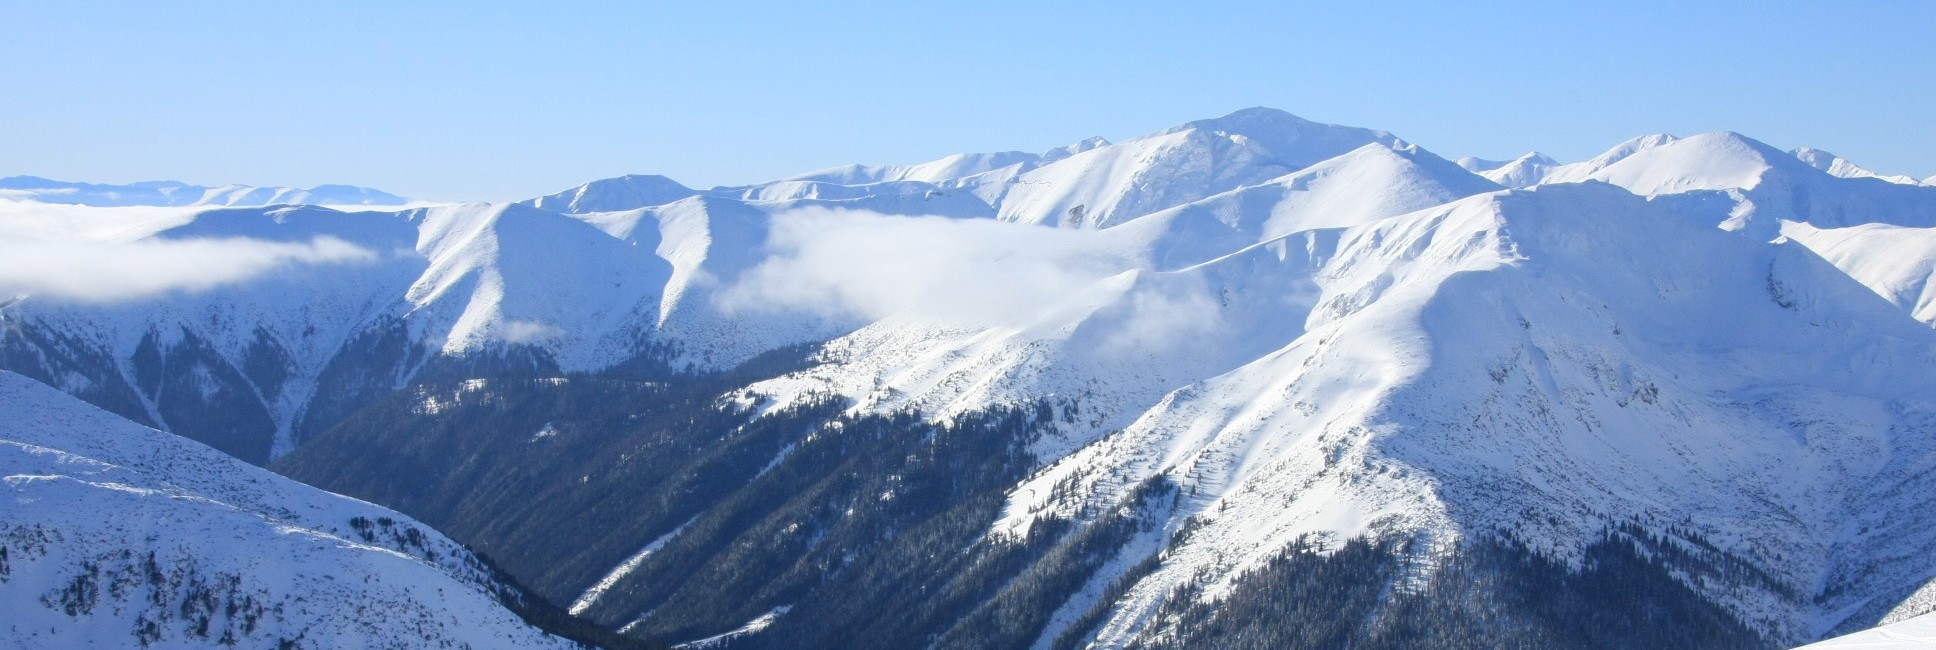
171	193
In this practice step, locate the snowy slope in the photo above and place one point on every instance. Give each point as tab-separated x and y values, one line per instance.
117	536
513	275
1919	632
171	193
1899	263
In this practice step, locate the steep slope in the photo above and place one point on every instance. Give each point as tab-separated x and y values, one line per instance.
509	275
1898	263
171	193
118	535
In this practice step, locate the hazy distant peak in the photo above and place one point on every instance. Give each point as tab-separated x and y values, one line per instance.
176	193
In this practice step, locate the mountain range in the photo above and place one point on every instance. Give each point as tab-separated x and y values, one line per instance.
1139	394
174	193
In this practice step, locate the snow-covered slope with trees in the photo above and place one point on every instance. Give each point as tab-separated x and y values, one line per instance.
1706	346
116	535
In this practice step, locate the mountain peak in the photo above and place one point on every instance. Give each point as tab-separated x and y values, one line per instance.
1059	153
1293	140
1535	156
1248	121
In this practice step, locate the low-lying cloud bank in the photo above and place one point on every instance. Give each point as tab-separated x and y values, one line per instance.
101	272
865	265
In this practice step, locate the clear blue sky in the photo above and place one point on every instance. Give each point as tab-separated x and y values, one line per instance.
502	100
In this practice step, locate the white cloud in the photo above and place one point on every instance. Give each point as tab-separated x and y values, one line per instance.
1163	316
99	271
519	331
854	264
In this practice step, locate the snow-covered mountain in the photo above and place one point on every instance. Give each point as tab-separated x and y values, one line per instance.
116	535
1721	350
172	193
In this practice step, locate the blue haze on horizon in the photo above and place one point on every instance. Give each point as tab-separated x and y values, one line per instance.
505	100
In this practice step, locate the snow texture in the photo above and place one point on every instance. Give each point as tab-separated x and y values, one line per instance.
122	536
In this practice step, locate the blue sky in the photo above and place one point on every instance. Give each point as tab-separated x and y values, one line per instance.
503	100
